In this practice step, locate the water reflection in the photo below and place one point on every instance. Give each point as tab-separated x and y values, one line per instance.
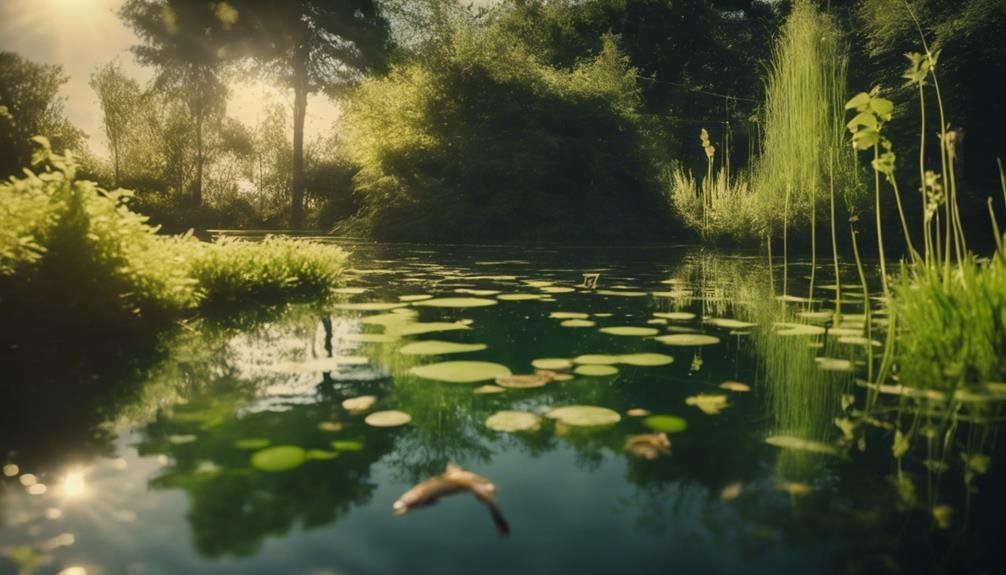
185	417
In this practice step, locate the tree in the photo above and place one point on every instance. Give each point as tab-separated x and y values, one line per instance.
119	97
311	46
183	41
29	96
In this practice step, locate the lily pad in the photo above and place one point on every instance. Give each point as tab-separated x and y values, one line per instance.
418	328
437	347
622	293
675	315
638	412
252	443
551	363
478	292
460	371
488	389
346	445
519	296
833	364
646	359
797	329
456	302
709	404
511	421
688	339
390	418
595	370
557	289
368	306
525	381
415	297
362	403
279	458
648	445
577	323
568	315
321	454
629	330
727	323
596	359
584	415
666	423
735	386
791	442
349	290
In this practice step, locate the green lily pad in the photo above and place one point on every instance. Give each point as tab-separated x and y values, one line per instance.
437	347
833	364
511	421
551	363
622	293
456	302
279	458
577	323
525	381
252	443
321	454
350	290
557	289
368	306
181	439
346	445
675	315
646	359
568	315
478	292
584	415
727	323
519	296
362	403
798	329
629	330
418	328
415	297
488	389
688	339
596	359
666	423
791	442
594	370
460	371
391	418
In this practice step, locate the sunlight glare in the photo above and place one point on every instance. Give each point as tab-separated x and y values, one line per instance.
73	486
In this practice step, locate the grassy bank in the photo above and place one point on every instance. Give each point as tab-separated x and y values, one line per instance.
73	254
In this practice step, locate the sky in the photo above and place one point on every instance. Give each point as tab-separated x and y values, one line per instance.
81	35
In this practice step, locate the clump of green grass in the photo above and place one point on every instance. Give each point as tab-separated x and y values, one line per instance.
74	255
722	210
231	271
804	120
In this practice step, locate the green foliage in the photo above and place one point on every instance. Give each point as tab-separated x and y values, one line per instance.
729	213
74	254
954	332
483	141
30	105
803	119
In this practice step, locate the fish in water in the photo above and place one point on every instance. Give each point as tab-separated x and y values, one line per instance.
453	481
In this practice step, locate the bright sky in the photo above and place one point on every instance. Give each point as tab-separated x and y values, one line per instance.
81	35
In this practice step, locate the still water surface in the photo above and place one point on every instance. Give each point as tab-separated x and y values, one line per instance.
140	461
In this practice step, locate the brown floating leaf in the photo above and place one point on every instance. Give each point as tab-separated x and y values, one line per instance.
330	426
731	492
511	421
709	404
486	389
638	412
554	376
648	445
358	404
523	381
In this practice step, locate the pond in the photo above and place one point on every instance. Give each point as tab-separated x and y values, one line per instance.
227	445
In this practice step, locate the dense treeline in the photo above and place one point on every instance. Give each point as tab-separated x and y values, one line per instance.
519	119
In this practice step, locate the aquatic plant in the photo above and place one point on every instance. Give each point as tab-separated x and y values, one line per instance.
724	209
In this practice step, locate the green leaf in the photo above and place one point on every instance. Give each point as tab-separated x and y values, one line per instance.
279	458
882	107
865	139
862	120
859	102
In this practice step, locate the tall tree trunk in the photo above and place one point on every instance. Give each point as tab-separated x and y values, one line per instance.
299	111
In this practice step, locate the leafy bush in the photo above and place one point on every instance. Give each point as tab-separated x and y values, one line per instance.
731	212
481	141
74	255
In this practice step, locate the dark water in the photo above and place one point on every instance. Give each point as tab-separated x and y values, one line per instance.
138	450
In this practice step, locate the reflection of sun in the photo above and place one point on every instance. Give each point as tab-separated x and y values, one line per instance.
73	486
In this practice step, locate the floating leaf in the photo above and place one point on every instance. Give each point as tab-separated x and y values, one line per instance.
519	296
727	323
330	426
511	421
798	329
554	375
391	418
418	328
595	370
321	454
731	492
622	293
551	363
350	290
735	386
437	347
181	439
597	359
666	423
648	445
357	404
368	306
252	443
675	315
478	292
637	412
279	458
488	389
557	289
460	371
794	489
628	330
688	339
646	359
568	315
584	415
577	323
346	445
709	404
525	381
456	302
791	442
415	298
833	364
